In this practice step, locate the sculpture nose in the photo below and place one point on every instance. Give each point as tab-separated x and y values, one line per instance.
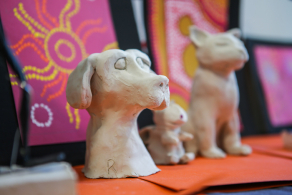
244	54
163	82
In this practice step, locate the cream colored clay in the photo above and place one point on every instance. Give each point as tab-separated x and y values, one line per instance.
213	117
287	139
114	87
164	139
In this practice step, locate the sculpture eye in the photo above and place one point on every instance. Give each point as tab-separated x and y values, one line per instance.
143	64
140	62
120	64
222	44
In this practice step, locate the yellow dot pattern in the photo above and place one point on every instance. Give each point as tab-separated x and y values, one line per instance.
38	70
43	78
69	113
77	40
113	45
31	20
12	75
76	112
42	29
27	24
64	10
70	45
74	12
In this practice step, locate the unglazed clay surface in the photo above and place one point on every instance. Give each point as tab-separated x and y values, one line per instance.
164	139
287	139
114	87
213	117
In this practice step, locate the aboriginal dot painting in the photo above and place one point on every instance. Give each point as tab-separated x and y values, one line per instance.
50	38
274	66
173	52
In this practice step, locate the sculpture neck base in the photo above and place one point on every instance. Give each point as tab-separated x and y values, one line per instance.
115	149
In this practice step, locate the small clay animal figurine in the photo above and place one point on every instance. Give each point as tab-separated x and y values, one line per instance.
213	117
287	139
114	87
164	139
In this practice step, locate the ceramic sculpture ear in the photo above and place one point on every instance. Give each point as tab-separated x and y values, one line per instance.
78	90
198	36
235	32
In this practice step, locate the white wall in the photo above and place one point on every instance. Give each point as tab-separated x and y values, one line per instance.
266	19
138	9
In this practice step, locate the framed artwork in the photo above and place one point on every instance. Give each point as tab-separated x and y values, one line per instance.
274	66
50	38
172	51
271	75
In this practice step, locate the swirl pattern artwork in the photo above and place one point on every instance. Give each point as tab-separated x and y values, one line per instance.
50	38
173	53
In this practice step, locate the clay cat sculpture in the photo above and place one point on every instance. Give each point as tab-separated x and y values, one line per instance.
213	117
164	139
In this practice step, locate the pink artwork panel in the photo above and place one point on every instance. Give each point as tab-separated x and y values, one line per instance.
274	65
177	42
50	38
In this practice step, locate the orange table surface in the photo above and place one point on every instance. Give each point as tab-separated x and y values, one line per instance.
270	144
259	167
116	186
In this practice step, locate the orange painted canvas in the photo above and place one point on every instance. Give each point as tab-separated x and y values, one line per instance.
50	38
173	52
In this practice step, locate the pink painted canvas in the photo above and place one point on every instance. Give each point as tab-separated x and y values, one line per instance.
176	14
174	55
50	38
274	65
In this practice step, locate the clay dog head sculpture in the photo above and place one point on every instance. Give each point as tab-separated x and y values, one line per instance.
164	139
213	117
115	86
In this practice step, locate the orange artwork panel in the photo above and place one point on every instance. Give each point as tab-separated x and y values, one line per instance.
173	53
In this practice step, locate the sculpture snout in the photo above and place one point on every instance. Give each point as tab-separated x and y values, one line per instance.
245	55
162	83
161	90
